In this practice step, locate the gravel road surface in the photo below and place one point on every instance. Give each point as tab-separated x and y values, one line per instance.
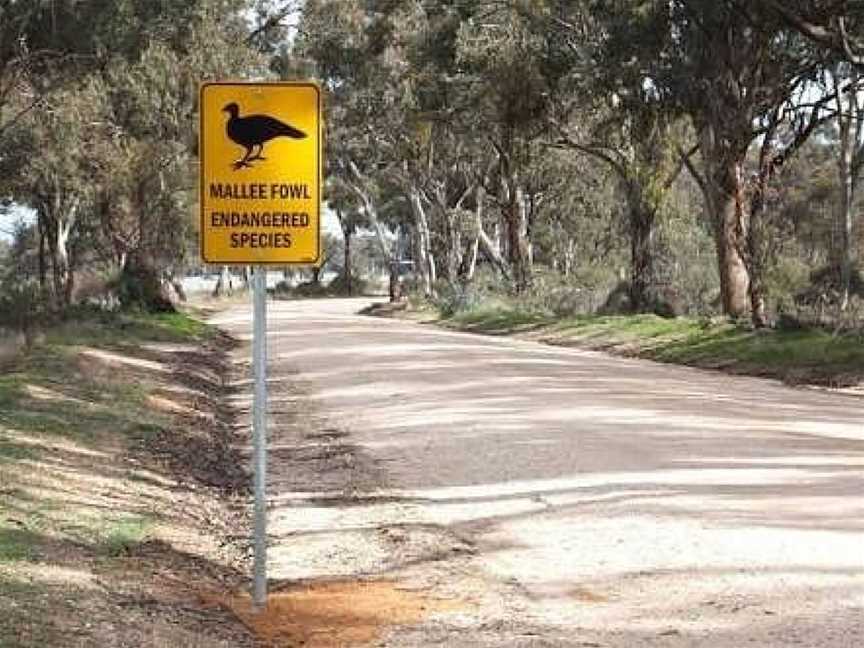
558	497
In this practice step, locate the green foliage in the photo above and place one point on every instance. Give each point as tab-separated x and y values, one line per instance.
139	286
786	279
808	355
121	536
17	544
451	299
121	330
105	153
339	285
81	404
22	307
555	128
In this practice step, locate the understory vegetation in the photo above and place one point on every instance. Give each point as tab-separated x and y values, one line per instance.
694	158
794	355
681	158
804	345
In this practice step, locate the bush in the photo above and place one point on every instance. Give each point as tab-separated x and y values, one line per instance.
96	289
451	299
139	287
282	290
22	308
310	289
825	287
339	285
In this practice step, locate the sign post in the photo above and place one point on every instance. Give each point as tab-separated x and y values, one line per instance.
259	435
260	196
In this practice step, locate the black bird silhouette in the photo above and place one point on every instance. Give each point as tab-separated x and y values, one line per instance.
254	131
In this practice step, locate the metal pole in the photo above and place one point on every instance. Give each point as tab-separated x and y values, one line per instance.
259	434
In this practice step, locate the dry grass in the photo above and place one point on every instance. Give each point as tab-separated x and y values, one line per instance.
103	541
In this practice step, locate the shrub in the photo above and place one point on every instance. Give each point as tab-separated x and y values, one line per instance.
139	286
339	285
451	299
22	308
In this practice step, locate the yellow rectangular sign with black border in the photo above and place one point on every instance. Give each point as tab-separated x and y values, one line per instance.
260	161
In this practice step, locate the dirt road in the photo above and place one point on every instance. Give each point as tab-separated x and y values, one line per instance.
555	497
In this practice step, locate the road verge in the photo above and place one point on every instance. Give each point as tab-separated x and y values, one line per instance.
122	496
797	357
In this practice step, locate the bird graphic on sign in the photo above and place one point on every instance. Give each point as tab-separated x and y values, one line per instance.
253	131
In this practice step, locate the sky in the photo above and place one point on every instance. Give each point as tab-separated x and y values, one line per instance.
10	219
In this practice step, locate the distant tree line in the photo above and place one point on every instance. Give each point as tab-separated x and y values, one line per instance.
684	155
98	122
573	136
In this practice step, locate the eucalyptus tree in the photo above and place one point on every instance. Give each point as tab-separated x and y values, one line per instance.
55	176
154	99
733	69
616	115
834	25
846	86
342	42
386	141
510	83
133	160
448	157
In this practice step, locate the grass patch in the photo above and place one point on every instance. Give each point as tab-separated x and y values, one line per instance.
17	544
10	451
497	320
74	407
122	536
47	393
124	329
803	355
73	411
22	604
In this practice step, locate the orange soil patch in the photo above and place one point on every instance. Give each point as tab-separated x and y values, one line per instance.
586	595
327	615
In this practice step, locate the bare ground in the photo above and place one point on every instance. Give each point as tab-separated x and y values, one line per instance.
115	539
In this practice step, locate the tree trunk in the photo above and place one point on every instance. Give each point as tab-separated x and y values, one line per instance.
469	261
141	285
515	219
725	197
349	280
569	256
395	292
847	262
177	285
734	278
69	287
454	245
223	283
489	246
59	248
844	211
642	219
424	257
756	244
43	270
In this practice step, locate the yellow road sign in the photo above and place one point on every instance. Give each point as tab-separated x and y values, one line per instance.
260	153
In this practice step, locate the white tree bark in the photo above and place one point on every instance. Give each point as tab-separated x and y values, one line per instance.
850	155
425	257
